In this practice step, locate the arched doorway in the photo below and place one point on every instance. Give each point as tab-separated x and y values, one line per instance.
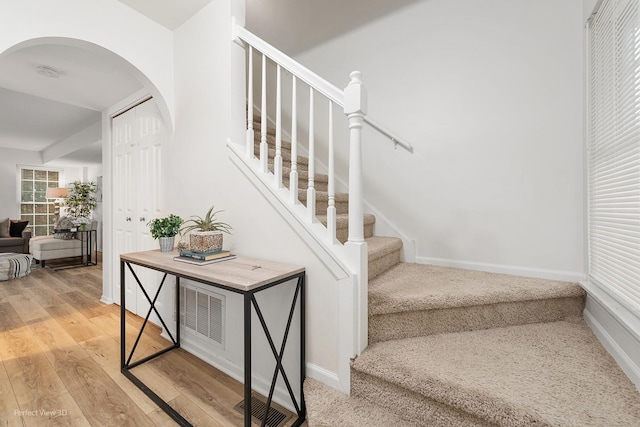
85	69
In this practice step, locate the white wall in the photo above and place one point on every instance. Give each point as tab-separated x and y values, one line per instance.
200	173
490	94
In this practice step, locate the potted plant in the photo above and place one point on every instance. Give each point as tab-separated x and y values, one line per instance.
165	230
81	202
205	232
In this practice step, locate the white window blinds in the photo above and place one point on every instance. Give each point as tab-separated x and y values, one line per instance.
613	149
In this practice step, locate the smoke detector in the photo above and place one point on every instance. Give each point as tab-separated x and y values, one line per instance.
47	71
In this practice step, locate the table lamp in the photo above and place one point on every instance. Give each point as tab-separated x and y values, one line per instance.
56	193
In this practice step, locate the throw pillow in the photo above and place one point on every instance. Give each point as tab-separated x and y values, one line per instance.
62	227
4	228
16	227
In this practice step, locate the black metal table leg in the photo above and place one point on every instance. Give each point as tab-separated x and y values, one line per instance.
247	359
123	314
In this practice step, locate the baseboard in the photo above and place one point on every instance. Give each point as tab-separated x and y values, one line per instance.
566	276
326	377
106	300
617	328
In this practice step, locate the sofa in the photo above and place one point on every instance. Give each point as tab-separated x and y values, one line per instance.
14	237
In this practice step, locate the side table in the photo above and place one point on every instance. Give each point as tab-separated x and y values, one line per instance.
241	275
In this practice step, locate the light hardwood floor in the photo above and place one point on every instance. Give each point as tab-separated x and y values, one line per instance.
60	361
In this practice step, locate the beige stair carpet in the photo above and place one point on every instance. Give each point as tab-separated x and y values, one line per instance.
409	287
551	374
327	407
412	300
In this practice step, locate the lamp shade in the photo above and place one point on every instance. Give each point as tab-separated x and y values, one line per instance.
56	193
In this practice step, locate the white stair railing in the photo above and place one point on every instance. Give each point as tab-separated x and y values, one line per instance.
317	87
353	100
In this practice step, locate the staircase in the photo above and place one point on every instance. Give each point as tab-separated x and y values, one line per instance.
460	348
453	347
447	347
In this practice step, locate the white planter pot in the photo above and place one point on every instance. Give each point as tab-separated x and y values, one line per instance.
166	243
205	241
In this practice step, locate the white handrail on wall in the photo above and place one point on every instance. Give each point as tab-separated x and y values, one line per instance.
312	79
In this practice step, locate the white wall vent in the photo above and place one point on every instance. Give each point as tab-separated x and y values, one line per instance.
202	313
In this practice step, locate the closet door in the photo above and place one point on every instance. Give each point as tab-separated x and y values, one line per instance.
138	135
124	194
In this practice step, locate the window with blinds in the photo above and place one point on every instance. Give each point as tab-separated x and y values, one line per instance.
613	149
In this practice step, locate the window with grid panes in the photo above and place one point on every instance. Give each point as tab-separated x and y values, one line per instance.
34	205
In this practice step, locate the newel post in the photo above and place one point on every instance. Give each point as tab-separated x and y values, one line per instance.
355	108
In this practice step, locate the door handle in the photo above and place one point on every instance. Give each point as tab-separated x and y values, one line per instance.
128	219
142	219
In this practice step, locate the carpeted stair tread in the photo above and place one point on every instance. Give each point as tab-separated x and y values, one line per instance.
411	287
323	196
379	246
302	161
544	374
342	220
327	407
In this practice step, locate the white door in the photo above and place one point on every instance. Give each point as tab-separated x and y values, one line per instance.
138	135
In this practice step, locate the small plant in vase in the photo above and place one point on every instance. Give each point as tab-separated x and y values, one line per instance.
165	230
205	232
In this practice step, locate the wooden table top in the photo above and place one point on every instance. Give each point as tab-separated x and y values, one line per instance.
240	273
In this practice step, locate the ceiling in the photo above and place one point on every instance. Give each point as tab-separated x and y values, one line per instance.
170	13
294	26
37	111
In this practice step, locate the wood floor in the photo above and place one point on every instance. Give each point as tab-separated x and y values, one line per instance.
60	361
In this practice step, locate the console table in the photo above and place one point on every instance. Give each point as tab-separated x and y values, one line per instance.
244	276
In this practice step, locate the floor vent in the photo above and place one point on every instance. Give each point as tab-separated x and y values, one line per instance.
203	313
277	416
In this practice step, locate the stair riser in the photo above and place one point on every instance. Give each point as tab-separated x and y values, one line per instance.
393	326
322	205
302	162
380	265
342	234
415	407
320	183
271	142
303	183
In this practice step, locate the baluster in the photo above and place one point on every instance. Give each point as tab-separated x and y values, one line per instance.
277	161
293	175
250	132
331	209
311	191
264	148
